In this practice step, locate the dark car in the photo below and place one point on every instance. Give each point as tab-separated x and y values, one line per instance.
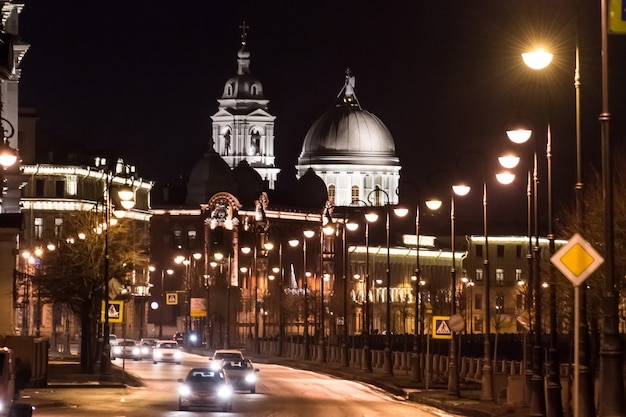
204	387
242	375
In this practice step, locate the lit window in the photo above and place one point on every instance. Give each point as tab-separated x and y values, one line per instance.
500	304
58	227
355	194
479	275
518	275
500	276
331	194
38	227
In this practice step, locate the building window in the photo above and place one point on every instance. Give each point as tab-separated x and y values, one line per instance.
500	304
177	236
192	236
479	274
518	251
478	325
253	89
478	302
59	188
518	275
331	194
479	251
229	90
38	227
355	194
500	277
519	302
58	228
500	251
40	186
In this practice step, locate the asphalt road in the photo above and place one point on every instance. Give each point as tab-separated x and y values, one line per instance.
281	392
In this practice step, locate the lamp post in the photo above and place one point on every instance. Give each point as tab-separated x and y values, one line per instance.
328	229
127	201
308	234
401	212
346	225
169	271
453	372
366	359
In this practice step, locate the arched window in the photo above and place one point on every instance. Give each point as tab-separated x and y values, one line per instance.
331	194
355	193
229	90
253	90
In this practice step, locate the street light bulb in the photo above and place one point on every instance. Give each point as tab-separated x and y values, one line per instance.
243	269
128	204
537	59
371	217
434	204
276	270
197	256
126	194
519	136
218	256
151	268
294	242
508	161
328	230
308	233
461	189
505	177
352	226
8	155
271	277
179	259
268	246
169	271
401	211
246	250
413	278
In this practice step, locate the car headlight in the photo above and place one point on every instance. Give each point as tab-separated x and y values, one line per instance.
117	350
136	351
178	354
225	391
250	378
156	354
215	366
184	390
145	350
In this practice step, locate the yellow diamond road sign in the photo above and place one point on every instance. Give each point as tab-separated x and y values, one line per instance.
577	259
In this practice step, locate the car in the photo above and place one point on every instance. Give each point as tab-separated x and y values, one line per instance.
146	345
204	387
167	351
179	337
126	349
220	356
242	375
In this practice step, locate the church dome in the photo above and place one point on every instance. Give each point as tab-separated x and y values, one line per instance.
348	134
210	175
244	85
249	183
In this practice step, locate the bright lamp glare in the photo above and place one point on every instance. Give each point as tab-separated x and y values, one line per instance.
434	204
371	217
509	161
505	177
461	189
401	211
537	59
519	135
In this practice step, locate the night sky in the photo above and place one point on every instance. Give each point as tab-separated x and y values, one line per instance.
142	78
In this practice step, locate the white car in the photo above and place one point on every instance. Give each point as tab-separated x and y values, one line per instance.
167	351
126	348
222	356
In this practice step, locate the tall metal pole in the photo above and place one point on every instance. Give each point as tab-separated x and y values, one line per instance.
344	344
416	371
612	402
387	362
161	307
453	374
106	373
321	356
487	375
257	345
538	399
281	310
583	384
366	359
305	285
554	402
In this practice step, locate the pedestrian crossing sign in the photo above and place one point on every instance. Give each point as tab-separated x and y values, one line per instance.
116	312
171	298
441	327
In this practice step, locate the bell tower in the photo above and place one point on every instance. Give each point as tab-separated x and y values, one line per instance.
243	129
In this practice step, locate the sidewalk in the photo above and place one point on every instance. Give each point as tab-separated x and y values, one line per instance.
65	372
